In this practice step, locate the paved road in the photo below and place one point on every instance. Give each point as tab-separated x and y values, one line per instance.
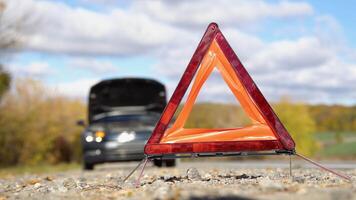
202	179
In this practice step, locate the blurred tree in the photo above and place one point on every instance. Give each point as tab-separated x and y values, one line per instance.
299	123
12	28
215	115
12	25
4	81
4	77
334	118
38	125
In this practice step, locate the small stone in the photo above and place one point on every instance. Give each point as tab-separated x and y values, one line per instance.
49	178
207	177
81	184
44	190
298	179
33	181
37	185
243	176
69	183
171	178
166	177
193	174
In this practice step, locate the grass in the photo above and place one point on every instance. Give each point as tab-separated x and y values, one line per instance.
330	136
37	169
347	149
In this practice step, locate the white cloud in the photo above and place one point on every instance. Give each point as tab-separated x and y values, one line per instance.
138	29
77	88
233	13
35	70
290	55
93	65
99	1
309	66
305	68
65	29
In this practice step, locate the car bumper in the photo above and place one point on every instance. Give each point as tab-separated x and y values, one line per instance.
114	152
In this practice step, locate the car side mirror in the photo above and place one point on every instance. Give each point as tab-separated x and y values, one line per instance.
81	123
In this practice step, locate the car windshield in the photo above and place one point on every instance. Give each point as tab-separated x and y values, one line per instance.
130	120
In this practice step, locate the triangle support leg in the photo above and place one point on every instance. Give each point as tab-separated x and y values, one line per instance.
130	174
290	166
137	184
324	168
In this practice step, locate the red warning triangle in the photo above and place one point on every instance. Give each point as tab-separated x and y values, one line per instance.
266	131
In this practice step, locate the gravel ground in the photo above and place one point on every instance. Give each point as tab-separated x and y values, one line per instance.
192	180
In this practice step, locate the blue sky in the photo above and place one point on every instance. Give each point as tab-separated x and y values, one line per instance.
302	49
343	12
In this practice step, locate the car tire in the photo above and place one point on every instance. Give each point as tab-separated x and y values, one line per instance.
88	166
167	163
170	163
158	163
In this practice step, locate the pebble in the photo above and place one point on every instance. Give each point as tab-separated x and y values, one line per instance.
207	177
193	174
49	178
298	179
69	183
37	185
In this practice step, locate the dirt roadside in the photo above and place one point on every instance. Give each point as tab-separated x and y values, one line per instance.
190	180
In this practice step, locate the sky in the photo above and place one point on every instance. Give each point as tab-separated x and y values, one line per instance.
302	49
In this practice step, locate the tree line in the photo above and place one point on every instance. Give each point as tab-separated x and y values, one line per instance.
37	125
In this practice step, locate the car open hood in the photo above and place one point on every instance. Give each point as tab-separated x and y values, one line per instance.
126	95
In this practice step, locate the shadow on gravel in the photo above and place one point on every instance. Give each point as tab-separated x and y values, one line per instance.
243	176
221	198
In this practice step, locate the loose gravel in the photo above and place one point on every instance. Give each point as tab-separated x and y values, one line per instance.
198	180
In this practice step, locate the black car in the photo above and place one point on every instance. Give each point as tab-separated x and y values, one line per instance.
122	114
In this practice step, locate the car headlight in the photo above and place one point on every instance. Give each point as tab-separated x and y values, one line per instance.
97	136
89	138
126	136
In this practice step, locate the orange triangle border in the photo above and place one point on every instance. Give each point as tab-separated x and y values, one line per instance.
284	140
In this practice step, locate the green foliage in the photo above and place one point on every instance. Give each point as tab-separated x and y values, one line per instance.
214	115
340	150
338	137
299	123
336	118
4	81
37	126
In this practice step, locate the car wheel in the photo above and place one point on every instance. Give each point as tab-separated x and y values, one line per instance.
88	166
170	163
158	163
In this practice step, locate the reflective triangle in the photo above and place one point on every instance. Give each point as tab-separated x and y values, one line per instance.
266	131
